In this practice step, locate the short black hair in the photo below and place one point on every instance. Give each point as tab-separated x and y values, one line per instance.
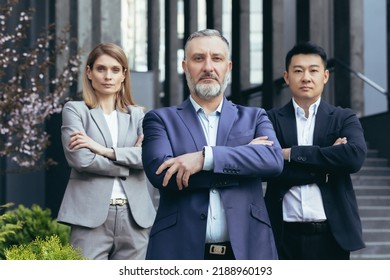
306	48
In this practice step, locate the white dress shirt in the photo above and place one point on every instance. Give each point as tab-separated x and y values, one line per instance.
304	203
216	230
112	122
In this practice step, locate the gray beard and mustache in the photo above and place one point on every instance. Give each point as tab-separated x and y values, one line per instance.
207	91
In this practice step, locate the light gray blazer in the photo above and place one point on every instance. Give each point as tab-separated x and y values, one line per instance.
87	195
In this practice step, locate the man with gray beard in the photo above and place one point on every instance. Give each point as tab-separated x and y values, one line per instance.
207	157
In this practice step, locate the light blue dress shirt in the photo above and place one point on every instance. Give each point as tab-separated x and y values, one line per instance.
216	230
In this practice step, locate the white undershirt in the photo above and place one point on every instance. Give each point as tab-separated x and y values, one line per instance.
304	203
112	122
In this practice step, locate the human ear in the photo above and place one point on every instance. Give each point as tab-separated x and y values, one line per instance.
285	77
326	76
184	66
88	71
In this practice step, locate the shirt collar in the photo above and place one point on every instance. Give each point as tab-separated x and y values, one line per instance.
198	107
313	107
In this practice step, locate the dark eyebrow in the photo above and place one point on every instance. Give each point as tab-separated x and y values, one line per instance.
310	66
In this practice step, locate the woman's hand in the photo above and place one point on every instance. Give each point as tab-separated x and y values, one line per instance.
138	143
79	139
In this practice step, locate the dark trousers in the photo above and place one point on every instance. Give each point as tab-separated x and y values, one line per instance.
310	241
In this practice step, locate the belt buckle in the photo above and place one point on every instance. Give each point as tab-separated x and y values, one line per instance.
217	249
118	201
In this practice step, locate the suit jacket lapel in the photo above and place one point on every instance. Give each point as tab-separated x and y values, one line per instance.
287	126
101	123
323	120
226	122
190	119
123	124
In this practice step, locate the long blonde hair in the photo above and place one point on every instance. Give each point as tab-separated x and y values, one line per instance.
123	97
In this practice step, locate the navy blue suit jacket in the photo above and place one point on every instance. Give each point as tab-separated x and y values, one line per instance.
179	230
324	164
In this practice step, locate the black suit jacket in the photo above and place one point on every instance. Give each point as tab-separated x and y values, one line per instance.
324	164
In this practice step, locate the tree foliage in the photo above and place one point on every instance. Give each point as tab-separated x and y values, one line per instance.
32	86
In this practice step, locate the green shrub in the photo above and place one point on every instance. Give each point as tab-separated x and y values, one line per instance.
49	249
6	230
26	224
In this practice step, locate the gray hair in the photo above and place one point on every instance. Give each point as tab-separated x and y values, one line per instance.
206	33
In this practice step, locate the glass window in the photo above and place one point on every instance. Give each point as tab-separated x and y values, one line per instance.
161	56
227	20
134	33
202	20
180	33
256	42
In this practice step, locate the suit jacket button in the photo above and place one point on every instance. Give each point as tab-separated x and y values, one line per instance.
202	216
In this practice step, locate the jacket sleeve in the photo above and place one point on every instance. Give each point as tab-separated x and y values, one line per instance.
232	164
344	158
83	160
249	159
312	164
132	156
157	148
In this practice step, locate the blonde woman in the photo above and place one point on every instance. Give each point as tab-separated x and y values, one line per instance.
106	201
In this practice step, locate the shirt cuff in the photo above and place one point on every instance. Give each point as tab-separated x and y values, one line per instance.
208	163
